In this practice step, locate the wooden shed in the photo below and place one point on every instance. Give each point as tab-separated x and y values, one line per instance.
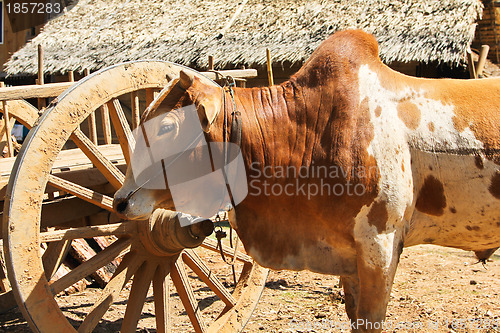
424	38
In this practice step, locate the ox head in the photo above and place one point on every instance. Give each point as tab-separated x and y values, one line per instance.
168	137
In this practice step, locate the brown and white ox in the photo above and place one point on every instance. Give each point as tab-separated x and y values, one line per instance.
348	162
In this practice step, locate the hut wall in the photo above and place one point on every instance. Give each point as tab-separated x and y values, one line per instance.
488	30
18	29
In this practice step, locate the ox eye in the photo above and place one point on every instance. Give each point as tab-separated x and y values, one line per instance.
166	128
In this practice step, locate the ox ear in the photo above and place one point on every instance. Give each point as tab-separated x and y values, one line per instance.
206	96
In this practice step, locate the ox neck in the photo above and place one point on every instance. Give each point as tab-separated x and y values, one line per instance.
267	124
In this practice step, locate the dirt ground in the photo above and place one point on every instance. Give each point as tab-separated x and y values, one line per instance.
436	290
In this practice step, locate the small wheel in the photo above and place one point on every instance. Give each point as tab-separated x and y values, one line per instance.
208	305
26	114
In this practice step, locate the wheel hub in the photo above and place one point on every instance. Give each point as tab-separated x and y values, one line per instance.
162	234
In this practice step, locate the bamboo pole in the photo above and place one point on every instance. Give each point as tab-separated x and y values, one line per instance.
483	55
40	80
8	130
269	68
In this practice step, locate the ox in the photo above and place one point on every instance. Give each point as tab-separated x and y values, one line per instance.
393	160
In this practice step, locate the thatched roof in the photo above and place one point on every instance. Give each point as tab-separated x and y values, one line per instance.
98	33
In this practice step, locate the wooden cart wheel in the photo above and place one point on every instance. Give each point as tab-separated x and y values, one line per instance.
26	114
209	307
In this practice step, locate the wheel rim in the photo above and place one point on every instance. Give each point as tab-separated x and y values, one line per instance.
26	114
24	200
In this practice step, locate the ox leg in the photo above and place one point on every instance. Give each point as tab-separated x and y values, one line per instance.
377	262
351	295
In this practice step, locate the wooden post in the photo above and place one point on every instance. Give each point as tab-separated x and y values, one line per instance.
483	55
71	76
106	124
40	80
135	109
472	70
269	68
8	130
210	63
91	119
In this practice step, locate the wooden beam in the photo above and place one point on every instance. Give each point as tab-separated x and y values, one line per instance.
236	73
55	89
33	91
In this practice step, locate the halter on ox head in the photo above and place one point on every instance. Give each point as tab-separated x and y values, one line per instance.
169	140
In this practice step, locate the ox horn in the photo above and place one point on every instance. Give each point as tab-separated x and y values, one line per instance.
185	79
162	95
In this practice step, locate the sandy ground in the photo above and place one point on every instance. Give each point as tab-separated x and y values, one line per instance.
436	290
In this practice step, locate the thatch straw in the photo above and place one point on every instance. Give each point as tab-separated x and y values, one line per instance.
98	33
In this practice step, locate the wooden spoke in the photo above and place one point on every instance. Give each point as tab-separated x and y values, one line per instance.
92	128
122	128
81	192
108	169
116	249
185	291
138	293
161	292
4	282
150	96
122	275
106	125
54	255
211	244
205	274
116	229
134	99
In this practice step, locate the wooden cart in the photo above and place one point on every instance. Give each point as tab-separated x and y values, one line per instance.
57	195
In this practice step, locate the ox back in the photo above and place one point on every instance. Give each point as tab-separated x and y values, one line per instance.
434	146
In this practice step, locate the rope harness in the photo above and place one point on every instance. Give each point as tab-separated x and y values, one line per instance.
235	138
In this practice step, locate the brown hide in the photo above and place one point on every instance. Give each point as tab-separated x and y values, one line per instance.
281	130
